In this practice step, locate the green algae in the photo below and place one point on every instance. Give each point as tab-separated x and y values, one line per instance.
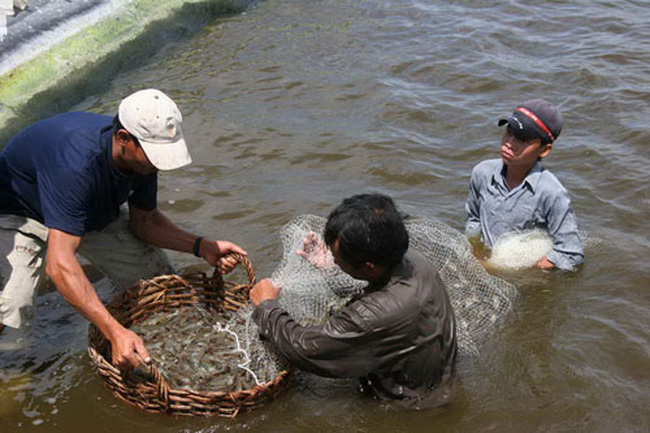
28	90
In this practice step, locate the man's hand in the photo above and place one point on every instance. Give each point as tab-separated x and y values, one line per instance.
68	277
315	251
214	251
545	264
263	291
128	350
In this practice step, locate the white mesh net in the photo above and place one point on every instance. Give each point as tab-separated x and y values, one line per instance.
522	250
311	294
479	299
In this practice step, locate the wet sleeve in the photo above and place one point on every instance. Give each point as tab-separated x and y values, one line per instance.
561	221
145	192
64	195
340	348
473	225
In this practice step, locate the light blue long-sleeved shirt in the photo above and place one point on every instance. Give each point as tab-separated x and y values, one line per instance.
540	201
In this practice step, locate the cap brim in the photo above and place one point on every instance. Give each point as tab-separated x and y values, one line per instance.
522	128
168	156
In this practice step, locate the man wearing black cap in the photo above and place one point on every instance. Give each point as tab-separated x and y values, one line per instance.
515	193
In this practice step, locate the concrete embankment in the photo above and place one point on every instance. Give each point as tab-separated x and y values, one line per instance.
56	52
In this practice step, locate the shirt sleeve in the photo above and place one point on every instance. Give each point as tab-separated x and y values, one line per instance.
473	225
567	246
145	192
340	348
64	196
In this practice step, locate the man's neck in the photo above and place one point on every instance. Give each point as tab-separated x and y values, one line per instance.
379	277
516	175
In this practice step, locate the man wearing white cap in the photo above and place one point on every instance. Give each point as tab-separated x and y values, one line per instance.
62	183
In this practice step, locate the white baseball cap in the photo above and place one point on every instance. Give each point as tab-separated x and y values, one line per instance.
155	120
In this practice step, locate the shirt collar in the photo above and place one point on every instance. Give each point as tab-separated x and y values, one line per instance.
531	179
533	176
499	176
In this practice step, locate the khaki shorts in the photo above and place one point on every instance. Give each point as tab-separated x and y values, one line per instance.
116	252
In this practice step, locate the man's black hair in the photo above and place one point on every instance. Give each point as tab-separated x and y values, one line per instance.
369	228
117	125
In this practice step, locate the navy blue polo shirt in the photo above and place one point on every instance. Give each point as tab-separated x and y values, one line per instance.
60	172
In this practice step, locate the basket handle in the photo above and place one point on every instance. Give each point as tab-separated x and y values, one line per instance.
162	387
243	260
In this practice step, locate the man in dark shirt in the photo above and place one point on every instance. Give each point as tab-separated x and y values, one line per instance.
62	183
398	336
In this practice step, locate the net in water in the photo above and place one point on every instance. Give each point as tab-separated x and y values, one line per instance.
311	294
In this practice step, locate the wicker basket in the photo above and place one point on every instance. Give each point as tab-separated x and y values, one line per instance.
164	294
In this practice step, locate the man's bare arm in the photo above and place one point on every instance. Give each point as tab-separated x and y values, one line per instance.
68	277
153	227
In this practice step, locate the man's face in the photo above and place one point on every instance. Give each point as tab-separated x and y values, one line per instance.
140	162
134	158
516	152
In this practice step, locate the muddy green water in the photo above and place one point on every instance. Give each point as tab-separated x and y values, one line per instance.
294	105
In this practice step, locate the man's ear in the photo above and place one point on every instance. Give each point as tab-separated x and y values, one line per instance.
373	270
370	266
546	150
122	137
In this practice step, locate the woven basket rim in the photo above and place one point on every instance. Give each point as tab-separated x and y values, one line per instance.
158	396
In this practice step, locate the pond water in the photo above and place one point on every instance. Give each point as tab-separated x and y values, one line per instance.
294	105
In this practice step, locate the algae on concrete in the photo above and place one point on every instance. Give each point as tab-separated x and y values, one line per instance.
29	86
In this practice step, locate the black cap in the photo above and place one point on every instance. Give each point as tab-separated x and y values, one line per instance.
533	119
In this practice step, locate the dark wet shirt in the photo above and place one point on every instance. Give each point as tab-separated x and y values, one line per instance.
399	337
60	172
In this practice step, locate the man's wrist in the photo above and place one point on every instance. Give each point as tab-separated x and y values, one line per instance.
266	303
112	330
197	246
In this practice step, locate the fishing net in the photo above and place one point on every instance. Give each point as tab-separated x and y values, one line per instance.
310	294
522	250
479	299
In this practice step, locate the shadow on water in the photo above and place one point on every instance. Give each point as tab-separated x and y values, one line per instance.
157	37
